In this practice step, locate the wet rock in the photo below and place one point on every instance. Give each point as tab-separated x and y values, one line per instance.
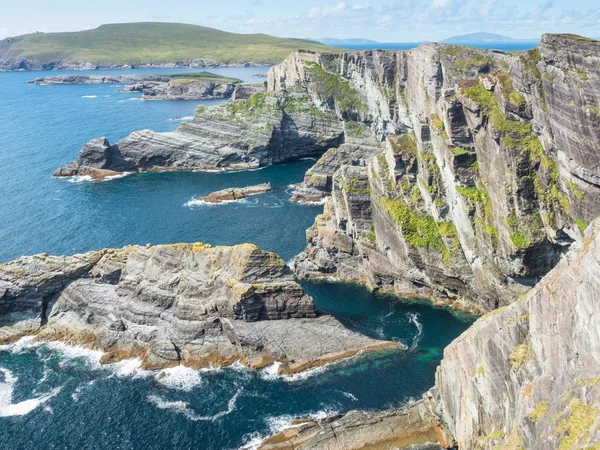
231	194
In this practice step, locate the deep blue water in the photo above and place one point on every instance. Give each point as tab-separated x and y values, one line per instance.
74	403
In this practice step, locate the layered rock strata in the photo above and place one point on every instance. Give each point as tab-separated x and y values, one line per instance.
483	177
230	194
188	304
247	133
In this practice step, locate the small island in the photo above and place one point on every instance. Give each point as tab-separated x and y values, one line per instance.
181	86
232	194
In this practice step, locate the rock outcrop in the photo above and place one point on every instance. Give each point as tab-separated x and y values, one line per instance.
393	429
247	133
186	304
155	87
230	194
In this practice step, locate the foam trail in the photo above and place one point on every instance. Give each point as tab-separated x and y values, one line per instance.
194	202
181	407
84	178
89	96
414	318
350	396
181	119
7	408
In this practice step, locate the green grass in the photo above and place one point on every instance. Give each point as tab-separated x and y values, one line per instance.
471	193
520	239
154	42
404	144
334	86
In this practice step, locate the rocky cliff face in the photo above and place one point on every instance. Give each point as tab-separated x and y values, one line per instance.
186	304
527	376
524	376
482	172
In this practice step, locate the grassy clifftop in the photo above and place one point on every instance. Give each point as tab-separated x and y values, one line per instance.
152	42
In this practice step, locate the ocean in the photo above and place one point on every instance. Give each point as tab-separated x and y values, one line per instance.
60	397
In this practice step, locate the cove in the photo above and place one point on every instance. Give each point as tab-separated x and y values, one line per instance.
72	401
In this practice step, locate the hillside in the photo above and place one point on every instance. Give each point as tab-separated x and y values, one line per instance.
145	43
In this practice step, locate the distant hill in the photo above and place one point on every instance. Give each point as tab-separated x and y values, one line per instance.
492	41
147	43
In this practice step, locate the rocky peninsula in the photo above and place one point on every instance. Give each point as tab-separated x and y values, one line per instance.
231	194
189	304
186	86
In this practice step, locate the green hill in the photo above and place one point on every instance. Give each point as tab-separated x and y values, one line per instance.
150	42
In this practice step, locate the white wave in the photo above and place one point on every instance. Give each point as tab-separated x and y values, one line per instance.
180	377
9	409
414	318
89	96
272	373
308	158
130	368
195	202
350	396
22	344
80	179
181	119
181	407
290	263
277	424
117	176
86	178
315	203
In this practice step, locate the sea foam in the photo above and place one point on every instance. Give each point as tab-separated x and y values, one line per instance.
9	409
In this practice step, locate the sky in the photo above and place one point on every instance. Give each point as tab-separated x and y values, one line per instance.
381	20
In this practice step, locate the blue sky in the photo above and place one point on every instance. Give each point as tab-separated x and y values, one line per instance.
382	20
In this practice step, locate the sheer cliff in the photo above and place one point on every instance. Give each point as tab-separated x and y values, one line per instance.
483	170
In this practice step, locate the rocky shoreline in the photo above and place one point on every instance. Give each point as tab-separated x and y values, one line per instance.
189	304
193	86
28	66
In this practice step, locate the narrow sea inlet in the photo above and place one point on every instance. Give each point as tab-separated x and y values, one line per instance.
63	397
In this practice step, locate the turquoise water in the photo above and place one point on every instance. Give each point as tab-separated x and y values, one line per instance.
52	396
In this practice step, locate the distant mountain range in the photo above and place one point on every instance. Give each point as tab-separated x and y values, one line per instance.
483	40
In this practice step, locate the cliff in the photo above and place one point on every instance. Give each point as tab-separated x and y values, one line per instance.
449	172
527	376
483	174
188	304
524	376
